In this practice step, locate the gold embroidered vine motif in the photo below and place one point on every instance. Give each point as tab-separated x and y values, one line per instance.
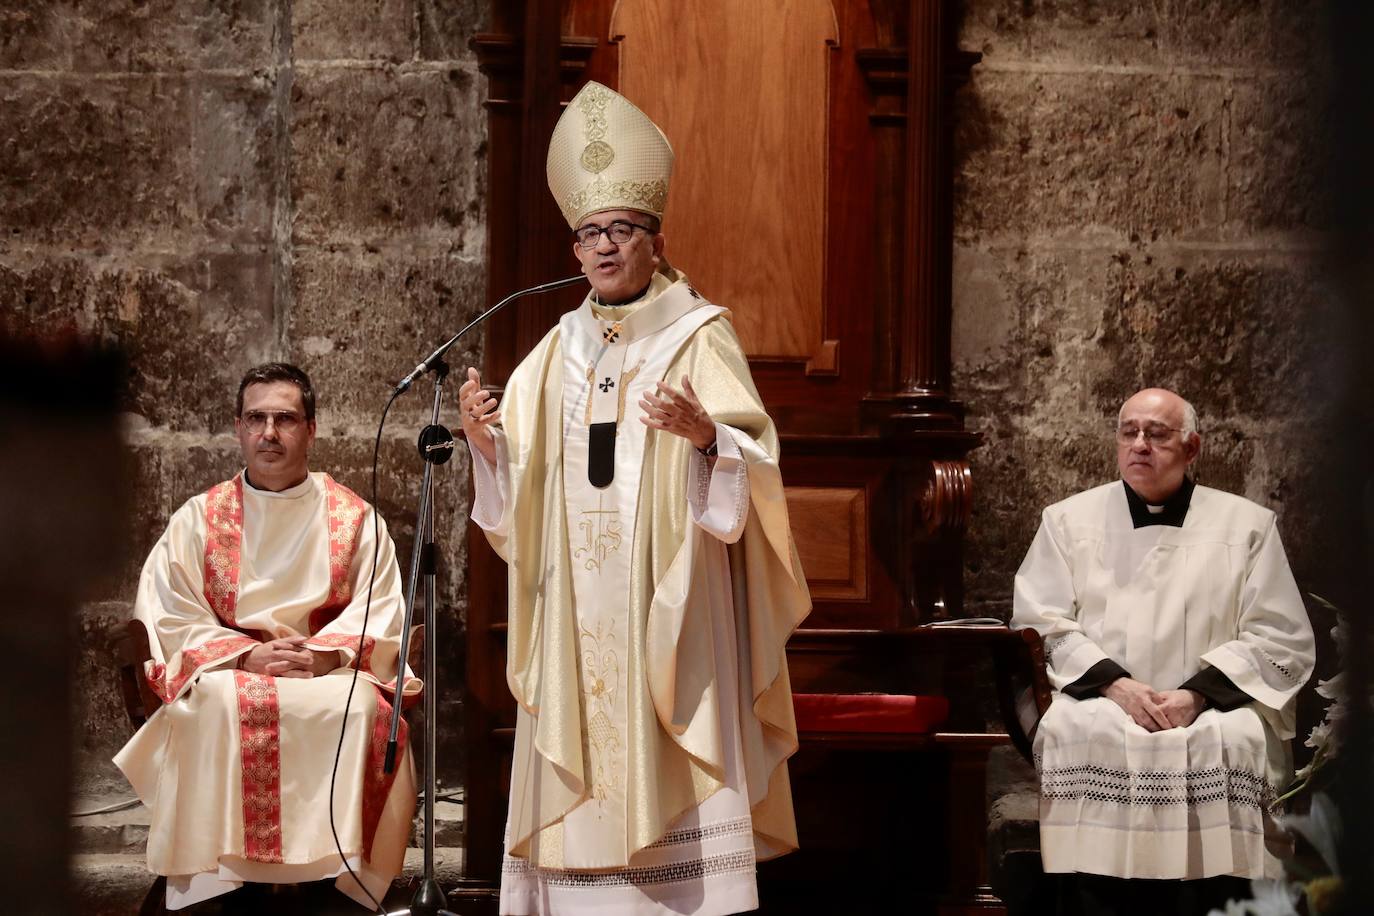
651	195
601	684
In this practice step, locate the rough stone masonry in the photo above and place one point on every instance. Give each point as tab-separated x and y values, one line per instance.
1139	201
211	184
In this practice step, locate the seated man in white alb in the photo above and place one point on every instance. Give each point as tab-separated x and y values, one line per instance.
254	601
1177	642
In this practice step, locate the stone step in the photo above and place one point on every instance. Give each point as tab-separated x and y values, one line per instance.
115	833
1014	852
114	884
1014	821
110	875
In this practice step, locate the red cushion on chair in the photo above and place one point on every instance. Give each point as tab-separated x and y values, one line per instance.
869	712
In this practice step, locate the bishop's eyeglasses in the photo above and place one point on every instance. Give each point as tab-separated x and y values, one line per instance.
619	232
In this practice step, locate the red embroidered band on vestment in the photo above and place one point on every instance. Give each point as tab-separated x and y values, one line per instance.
376	781
348	641
259	709
345	512
191	661
260	744
223	539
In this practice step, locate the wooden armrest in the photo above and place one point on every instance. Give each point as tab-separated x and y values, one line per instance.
1026	658
128	643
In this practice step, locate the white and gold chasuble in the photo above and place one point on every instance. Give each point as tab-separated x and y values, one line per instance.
1163	602
235	766
655	718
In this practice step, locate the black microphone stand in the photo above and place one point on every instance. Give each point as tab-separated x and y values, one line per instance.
436	447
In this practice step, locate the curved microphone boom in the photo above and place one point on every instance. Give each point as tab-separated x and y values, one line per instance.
436	445
430	362
437	355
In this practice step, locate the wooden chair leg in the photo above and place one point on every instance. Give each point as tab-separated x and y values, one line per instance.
155	901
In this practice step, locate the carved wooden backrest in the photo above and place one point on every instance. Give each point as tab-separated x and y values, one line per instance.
747	213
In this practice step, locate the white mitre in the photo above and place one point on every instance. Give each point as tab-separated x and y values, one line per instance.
605	154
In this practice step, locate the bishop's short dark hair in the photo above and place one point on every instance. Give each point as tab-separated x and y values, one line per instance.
278	372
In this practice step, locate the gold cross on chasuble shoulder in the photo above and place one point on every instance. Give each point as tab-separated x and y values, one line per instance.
607	377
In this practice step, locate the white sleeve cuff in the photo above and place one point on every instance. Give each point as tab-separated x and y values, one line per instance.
490	492
718	488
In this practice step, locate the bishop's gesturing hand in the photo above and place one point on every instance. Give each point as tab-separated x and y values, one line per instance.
679	413
478	410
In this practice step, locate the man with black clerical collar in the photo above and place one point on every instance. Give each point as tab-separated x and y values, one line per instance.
1177	641
630	481
256	604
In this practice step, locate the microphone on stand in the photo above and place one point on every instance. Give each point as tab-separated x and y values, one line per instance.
436	446
433	359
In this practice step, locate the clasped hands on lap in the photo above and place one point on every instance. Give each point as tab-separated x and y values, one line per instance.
1155	710
288	657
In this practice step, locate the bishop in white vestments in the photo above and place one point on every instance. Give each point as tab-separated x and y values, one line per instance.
630	481
1177	641
254	603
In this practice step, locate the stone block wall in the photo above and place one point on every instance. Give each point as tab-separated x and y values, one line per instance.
1138	201
211	185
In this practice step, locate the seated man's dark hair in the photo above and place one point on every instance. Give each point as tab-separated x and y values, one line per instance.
278	372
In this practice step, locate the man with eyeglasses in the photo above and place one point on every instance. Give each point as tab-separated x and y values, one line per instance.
630	481
1177	641
254	602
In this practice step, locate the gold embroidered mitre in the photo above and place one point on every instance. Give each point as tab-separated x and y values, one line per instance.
605	154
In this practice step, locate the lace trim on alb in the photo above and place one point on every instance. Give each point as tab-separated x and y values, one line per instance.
1055	643
1154	788
670	873
742	826
703	483
741	504
1287	675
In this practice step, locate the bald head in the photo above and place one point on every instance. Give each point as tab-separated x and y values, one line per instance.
1157	441
1181	413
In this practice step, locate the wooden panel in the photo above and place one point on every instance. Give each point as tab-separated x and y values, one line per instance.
830	526
740	89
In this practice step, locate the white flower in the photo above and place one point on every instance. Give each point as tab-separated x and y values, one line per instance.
1331	689
1320	827
1340	637
1275	898
1271	898
1319	736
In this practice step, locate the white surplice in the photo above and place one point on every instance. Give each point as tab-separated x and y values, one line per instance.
185	763
705	863
1163	602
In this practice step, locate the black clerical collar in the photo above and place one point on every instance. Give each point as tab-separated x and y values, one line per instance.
597	300
1173	511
